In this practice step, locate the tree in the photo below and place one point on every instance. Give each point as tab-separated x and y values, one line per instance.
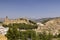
32	22
44	36
26	35
13	34
31	34
22	26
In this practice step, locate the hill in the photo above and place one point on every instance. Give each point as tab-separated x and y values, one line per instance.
44	20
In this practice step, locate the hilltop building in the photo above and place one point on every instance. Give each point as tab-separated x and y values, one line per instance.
11	21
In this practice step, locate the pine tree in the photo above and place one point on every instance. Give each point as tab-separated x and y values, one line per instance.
13	34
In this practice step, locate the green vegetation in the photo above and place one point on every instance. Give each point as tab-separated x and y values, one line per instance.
1	22
15	33
32	22
44	36
29	34
5	25
22	26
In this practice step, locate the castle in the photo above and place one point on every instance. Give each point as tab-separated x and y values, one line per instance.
11	21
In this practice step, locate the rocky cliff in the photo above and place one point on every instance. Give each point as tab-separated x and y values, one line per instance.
52	25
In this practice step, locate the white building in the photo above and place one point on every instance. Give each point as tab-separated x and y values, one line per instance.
40	24
3	30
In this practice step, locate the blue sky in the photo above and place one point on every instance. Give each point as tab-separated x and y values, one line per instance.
29	8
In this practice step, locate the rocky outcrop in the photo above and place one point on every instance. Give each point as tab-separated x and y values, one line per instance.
52	26
2	37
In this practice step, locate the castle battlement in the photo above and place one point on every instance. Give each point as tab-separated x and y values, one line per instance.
19	20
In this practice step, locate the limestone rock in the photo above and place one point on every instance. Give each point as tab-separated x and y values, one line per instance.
2	37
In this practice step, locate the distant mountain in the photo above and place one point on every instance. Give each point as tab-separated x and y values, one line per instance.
43	20
1	19
51	25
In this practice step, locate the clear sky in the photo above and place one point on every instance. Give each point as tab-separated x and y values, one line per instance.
29	8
